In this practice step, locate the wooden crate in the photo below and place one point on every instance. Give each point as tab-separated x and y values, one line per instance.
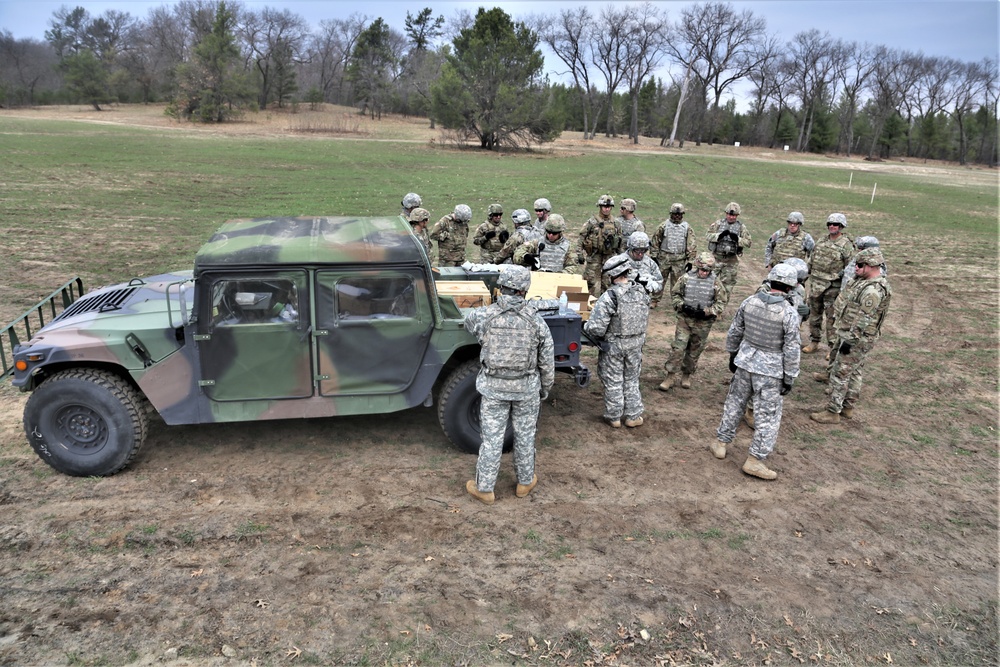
466	293
546	285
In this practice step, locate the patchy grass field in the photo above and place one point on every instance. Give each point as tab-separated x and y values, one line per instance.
351	540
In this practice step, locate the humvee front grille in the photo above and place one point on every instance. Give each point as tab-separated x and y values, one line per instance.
113	300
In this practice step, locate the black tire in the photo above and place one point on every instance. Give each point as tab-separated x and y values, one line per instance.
86	422
458	410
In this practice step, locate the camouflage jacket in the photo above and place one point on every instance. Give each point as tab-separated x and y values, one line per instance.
625	229
489	248
783	364
829	258
600	237
451	235
620	317
716	243
478	322
519	237
861	308
574	261
782	246
719	301
656	242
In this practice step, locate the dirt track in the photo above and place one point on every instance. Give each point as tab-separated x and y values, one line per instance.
351	541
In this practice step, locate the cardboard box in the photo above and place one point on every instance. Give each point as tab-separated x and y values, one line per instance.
466	293
579	302
546	285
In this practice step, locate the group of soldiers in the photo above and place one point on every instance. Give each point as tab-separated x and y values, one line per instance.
848	298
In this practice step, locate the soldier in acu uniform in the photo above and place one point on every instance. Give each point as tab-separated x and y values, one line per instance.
518	370
543	209
789	242
647	272
763	345
727	239
491	235
619	320
673	248
699	297
826	268
452	234
524	232
627	222
599	240
418	224
860	311
554	253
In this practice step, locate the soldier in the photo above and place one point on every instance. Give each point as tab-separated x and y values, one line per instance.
647	272
628	222
699	297
727	239
788	242
826	267
674	248
860	312
860	243
619	321
543	209
518	370
452	233
524	231
554	253
411	200
491	235
418	224
763	345
599	240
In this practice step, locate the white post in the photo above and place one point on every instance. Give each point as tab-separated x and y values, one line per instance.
851	181
873	194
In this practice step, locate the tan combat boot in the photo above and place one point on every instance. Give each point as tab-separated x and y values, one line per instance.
821	377
524	489
685	381
667	383
485	498
813	346
847	412
633	423
718	449
613	423
748	417
825	417
756	468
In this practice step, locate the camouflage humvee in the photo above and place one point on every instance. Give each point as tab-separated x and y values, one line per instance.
280	318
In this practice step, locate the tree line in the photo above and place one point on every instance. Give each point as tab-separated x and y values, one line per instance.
482	76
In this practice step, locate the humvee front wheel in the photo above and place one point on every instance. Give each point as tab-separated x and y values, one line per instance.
458	410
85	422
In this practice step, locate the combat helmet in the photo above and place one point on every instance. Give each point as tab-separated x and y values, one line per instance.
463	213
797	217
606	200
628	204
638	240
863	242
543	205
732	207
555	224
616	266
837	219
705	260
869	257
515	277
784	274
520	217
800	266
411	200
677	207
419	215
494	209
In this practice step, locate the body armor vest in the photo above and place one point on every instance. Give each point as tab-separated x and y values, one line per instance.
727	247
699	292
850	310
787	246
675	238
828	260
629	226
529	234
632	311
764	323
553	256
509	344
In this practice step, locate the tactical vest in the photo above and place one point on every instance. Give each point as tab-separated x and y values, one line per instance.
629	226
699	292
827	259
529	234
850	309
510	344
552	257
787	246
727	247
764	323
675	238
632	311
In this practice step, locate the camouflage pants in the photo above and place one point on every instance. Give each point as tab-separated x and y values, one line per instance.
768	403
727	270
672	270
822	294
690	341
592	274
845	375
493	418
619	372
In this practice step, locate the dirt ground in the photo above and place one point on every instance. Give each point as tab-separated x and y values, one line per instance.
351	540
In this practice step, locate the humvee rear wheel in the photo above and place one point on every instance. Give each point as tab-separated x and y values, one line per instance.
85	422
458	410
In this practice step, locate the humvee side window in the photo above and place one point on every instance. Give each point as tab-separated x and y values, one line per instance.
236	302
375	298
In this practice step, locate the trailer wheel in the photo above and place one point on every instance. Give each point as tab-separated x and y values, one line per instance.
85	422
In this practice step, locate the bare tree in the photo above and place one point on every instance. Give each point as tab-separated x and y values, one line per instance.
892	78
644	52
813	61
770	89
273	40
610	55
931	95
329	52
25	65
859	63
569	36
968	87
720	46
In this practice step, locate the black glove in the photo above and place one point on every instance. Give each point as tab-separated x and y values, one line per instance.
690	310
541	247
732	362
489	235
730	235
786	388
530	261
643	280
687	267
845	348
581	258
707	314
608	242
503	236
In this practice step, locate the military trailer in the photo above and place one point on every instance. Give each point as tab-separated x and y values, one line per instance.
281	318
